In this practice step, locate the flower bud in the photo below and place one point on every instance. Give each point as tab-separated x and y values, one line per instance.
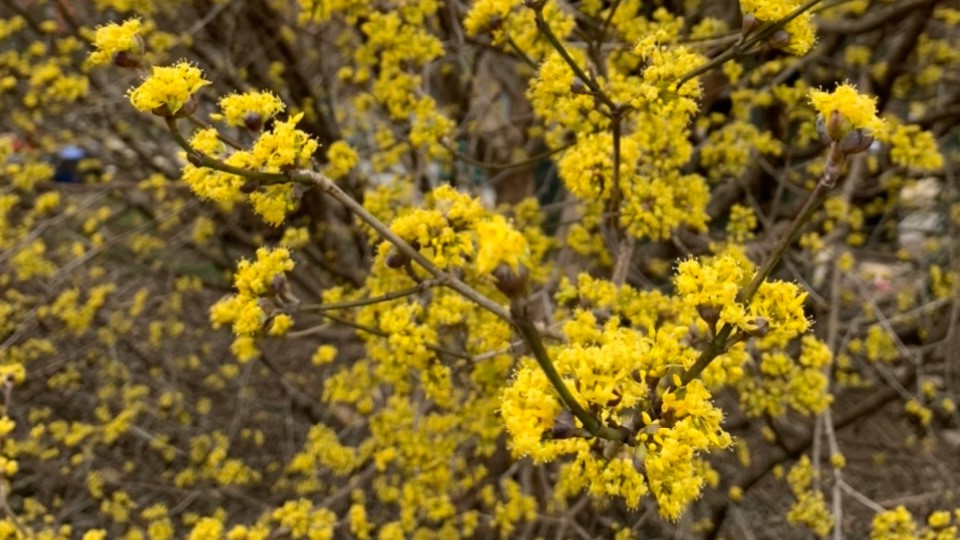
397	260
577	87
749	24
253	121
267	305
277	283
836	126
710	315
126	59
509	282
763	327
131	58
855	142
188	108
822	130
779	39
563	427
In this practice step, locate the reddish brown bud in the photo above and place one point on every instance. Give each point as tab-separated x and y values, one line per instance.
253	121
511	283
126	59
779	39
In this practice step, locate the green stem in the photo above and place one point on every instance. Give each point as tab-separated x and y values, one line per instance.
590	422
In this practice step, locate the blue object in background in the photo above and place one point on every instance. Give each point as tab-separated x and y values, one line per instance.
67	164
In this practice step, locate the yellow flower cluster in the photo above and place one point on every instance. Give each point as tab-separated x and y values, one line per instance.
858	111
800	30
282	148
896	524
810	509
114	38
713	287
342	158
781	382
167	89
261	294
250	109
453	228
913	148
616	370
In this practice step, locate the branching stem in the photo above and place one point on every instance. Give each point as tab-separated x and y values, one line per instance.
718	345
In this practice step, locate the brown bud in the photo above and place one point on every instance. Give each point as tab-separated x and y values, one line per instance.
563	427
855	142
749	24
822	130
509	282
126	59
837	126
185	110
253	121
710	314
577	87
397	260
278	283
250	186
763	327
779	39
267	305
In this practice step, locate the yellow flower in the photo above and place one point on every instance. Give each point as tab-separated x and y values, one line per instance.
168	87
254	278
341	158
281	323
112	39
858	110
250	109
498	242
799	30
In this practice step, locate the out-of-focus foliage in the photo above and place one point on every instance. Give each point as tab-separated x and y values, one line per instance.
200	338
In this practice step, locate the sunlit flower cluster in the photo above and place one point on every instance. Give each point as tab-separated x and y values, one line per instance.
261	292
167	89
250	109
858	111
114	39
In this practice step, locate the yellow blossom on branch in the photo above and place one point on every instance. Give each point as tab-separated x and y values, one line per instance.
858	110
114	39
800	31
167	89
250	109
